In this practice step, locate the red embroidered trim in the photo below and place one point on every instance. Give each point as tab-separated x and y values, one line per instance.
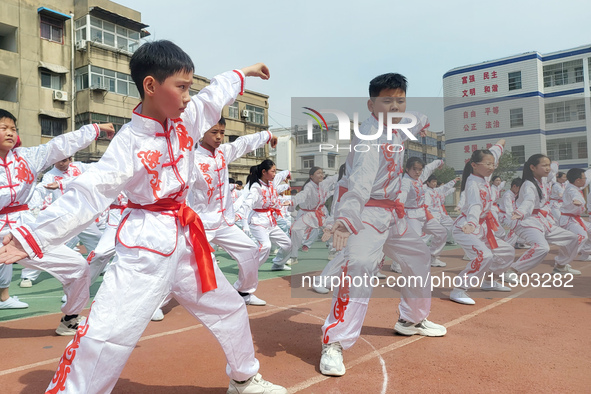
241	81
340	305
31	241
150	159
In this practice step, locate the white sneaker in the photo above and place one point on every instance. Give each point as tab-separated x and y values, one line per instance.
565	269
331	255
581	257
292	261
379	275
461	297
331	361
158	315
424	327
251	299
435	262
395	267
255	385
493	286
466	258
283	267
510	277
320	289
13	303
64	298
69	327
26	283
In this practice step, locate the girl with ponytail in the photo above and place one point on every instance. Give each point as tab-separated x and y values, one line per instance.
312	214
260	210
536	226
475	228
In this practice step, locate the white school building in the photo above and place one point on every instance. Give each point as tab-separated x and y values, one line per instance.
539	103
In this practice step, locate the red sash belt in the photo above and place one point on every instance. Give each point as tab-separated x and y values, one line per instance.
577	218
274	210
396	206
540	211
342	190
491	226
444	210
114	206
201	247
318	212
427	212
16	208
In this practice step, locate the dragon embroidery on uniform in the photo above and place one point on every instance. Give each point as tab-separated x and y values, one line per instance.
477	262
204	167
23	172
391	166
528	255
75	170
150	159
185	141
340	305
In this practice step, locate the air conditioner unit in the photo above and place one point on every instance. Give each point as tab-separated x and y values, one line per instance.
244	113
60	95
99	86
81	45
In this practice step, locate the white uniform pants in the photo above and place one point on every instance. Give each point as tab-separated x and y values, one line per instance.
102	254
242	249
582	234
90	238
482	258
264	239
131	291
65	265
298	234
540	247
361	257
448	223
431	227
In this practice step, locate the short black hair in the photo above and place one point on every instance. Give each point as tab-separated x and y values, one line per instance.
159	59
231	180
431	178
5	114
239	183
412	161
222	121
574	173
386	81
516	182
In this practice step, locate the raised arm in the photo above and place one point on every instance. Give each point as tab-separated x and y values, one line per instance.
246	144
429	169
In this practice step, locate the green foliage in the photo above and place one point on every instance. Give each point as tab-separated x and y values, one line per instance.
445	173
507	168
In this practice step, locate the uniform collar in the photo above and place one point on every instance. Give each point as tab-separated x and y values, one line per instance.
146	125
207	152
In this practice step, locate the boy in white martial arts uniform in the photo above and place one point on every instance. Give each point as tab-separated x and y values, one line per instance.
506	207
573	205
371	219
161	243
56	181
17	187
211	198
435	200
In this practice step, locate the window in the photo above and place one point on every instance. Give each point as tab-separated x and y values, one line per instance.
582	149
52	29
256	114
565	111
101	78
51	127
562	73
518	152
307	162
332	161
515	80
441	144
516	117
89	117
560	150
51	81
579	74
8	37
233	111
107	33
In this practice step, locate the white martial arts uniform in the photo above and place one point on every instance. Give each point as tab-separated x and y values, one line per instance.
376	221
17	180
485	251
259	210
212	199
556	199
418	216
161	245
435	201
506	207
570	215
91	235
311	216
537	228
496	196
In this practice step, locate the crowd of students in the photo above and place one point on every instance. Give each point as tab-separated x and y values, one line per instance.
160	199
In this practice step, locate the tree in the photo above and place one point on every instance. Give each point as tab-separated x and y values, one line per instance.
445	173
508	165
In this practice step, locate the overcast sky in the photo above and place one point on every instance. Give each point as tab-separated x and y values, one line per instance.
334	48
